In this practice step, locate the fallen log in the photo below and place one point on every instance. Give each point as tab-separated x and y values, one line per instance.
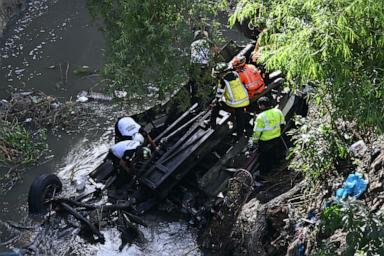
217	235
268	225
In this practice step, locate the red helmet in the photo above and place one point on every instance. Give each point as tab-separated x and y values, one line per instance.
238	62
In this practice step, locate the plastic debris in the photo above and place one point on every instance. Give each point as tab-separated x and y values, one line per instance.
80	185
358	148
354	186
85	96
82	99
120	94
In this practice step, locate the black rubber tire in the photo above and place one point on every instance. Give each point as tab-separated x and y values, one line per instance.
42	187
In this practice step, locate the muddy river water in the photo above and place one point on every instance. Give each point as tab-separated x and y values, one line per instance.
39	51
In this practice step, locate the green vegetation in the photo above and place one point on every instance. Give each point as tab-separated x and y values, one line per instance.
148	41
317	148
331	219
19	146
339	44
365	231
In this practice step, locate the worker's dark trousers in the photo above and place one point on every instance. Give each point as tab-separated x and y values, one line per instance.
199	85
271	154
238	113
122	176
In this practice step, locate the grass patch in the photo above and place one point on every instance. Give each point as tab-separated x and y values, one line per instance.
18	145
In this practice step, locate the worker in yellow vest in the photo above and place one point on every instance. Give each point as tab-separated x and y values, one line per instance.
267	133
231	92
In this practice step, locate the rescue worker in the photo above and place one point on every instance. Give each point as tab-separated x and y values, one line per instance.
232	92
124	156
249	75
201	54
126	128
267	134
123	152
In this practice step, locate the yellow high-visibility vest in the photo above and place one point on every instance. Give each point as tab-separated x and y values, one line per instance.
267	125
235	93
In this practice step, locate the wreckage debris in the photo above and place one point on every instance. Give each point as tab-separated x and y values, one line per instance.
85	96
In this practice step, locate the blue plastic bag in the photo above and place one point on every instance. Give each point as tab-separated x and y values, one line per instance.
354	186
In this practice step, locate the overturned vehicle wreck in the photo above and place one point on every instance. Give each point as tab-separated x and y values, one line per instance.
192	169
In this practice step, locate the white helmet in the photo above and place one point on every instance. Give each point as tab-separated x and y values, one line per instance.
139	138
127	126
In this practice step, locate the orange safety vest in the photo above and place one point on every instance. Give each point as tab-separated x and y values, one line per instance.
252	80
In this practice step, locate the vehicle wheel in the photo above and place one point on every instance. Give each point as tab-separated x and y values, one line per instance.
43	188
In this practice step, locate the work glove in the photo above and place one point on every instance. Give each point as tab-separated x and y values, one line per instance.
146	153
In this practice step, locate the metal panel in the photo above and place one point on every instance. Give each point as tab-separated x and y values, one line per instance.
180	158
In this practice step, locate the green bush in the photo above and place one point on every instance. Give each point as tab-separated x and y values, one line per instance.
337	43
364	230
317	148
331	219
148	41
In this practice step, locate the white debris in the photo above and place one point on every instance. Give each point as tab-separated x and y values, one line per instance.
82	99
19	71
120	94
220	195
358	148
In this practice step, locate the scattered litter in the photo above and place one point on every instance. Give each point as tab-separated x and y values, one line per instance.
55	105
121	94
36	99
354	186
80	185
358	148
82	99
19	71
84	96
